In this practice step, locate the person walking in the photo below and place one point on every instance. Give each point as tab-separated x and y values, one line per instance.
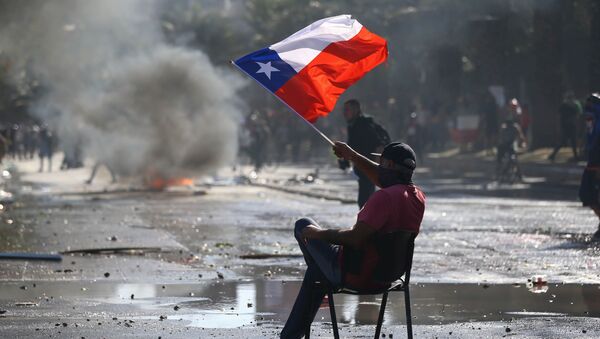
589	190
45	148
97	165
366	137
569	111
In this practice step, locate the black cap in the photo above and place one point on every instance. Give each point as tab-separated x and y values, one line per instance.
400	153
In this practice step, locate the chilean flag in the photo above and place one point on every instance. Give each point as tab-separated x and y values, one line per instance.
310	69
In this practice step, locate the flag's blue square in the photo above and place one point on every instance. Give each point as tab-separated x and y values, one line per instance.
266	67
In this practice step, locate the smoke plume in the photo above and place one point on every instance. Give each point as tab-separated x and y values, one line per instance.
112	86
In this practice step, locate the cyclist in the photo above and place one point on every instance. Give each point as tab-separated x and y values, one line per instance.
510	132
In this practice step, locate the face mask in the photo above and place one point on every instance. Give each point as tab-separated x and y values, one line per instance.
387	177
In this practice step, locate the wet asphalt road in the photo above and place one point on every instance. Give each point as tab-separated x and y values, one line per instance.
236	235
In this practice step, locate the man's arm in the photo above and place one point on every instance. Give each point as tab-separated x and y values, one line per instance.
355	237
364	164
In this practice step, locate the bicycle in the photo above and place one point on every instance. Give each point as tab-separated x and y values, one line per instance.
508	170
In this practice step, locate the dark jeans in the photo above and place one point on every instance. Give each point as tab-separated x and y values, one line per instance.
567	138
365	188
322	263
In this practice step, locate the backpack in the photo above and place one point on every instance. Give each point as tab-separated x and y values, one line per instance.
383	137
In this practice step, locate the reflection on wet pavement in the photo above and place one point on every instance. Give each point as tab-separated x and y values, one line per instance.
234	304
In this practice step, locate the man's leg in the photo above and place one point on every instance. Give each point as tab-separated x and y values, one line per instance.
112	174
573	141
554	151
563	141
318	252
500	151
518	167
93	174
321	259
305	307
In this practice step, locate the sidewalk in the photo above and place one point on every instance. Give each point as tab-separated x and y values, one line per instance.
446	172
533	164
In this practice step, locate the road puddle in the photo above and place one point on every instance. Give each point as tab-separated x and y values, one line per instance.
227	304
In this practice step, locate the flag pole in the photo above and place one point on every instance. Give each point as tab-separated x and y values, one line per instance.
288	106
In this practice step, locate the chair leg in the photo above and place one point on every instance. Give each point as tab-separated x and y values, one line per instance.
408	314
381	312
336	334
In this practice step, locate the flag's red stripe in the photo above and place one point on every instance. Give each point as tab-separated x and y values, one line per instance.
314	91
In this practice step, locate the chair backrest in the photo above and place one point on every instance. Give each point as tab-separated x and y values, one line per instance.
395	251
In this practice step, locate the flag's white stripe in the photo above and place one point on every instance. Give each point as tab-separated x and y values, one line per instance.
299	49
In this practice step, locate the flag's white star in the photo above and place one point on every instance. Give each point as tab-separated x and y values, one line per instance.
266	68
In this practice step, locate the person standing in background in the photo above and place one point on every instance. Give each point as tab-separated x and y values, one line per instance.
366	137
569	111
589	190
45	148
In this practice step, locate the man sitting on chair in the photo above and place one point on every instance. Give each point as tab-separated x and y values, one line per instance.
399	205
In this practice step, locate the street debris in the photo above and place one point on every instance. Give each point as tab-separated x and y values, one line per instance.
26	304
30	256
115	250
537	284
6	175
223	245
310	178
6	197
269	256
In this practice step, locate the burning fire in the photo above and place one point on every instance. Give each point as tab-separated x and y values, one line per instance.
160	183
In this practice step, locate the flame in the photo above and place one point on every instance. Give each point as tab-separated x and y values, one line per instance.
160	183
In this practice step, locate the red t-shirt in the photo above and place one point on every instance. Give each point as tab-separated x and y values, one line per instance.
398	207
